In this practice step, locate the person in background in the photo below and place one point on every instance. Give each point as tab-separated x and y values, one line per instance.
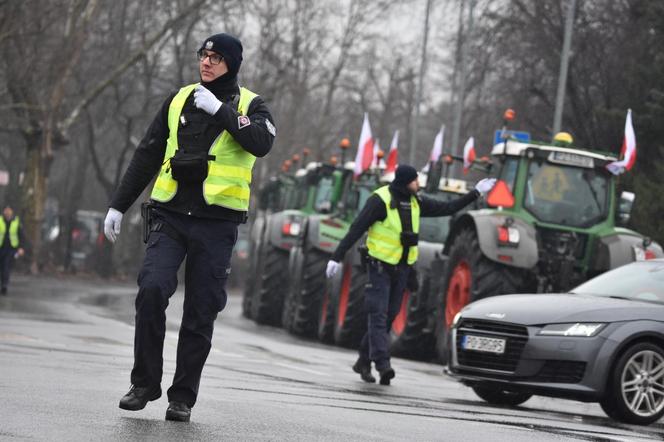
11	241
391	215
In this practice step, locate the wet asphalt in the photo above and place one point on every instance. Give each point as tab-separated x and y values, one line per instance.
66	353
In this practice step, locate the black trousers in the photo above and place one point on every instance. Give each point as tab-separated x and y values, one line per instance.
6	261
382	301
207	245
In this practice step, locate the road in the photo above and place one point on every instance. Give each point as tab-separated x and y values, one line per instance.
66	352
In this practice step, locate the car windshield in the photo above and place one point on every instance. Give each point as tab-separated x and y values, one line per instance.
323	201
643	281
572	196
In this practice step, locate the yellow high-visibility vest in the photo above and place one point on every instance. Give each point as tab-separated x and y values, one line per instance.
229	174
13	231
384	240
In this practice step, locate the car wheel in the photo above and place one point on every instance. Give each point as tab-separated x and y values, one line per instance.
635	392
500	396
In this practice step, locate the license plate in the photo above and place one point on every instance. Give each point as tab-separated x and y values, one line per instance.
481	343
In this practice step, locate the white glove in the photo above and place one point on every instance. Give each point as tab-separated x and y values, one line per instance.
204	99
485	185
332	268
112	224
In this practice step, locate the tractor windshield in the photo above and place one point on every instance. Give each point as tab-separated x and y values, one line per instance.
567	195
323	201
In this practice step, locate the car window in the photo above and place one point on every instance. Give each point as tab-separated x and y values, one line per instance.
640	281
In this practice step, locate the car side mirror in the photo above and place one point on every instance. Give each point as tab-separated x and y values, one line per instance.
625	205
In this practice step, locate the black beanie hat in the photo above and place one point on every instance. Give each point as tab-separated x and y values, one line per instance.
404	175
227	46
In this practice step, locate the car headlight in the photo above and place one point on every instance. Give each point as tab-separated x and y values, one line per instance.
456	319
583	329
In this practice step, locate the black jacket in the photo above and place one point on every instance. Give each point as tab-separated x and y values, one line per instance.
149	155
374	211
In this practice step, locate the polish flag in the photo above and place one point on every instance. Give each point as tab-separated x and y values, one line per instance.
437	149
468	154
365	150
392	156
628	152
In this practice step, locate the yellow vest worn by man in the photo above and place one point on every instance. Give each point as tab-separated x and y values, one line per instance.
229	174
384	240
13	231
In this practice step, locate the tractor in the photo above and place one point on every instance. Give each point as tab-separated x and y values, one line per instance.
320	235
550	223
282	202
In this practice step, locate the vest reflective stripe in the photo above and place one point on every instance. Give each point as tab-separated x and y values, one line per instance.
384	239
13	231
229	174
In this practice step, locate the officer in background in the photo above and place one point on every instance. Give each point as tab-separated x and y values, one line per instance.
11	238
202	146
392	217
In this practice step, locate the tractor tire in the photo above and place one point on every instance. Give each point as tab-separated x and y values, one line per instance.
410	337
350	322
250	281
326	317
270	279
470	276
303	304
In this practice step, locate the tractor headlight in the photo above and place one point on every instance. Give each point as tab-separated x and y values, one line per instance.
578	329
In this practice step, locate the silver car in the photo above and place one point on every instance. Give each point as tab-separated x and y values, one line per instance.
602	342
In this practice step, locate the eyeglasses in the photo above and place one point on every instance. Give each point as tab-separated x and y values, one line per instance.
214	57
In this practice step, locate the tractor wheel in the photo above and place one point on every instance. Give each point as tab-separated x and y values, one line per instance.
410	337
350	320
326	317
268	291
470	276
306	292
294	275
250	281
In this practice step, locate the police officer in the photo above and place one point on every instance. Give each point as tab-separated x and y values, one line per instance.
11	238
202	146
391	215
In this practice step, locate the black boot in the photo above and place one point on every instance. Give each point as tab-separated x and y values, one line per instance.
138	397
178	411
386	374
3	290
364	369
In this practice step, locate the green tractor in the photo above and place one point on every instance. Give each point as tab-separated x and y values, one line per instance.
320	234
283	201
550	224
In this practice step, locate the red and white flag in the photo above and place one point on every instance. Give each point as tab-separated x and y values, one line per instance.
365	148
628	151
392	156
468	154
437	149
